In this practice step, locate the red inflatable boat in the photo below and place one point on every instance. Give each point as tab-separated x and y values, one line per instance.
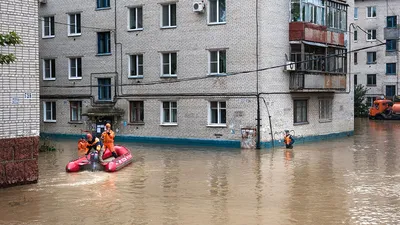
124	158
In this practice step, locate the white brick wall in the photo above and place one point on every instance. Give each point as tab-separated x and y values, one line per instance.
191	39
19	116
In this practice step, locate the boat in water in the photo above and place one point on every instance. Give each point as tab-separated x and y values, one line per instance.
110	164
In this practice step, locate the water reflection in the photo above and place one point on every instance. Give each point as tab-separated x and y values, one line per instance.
353	180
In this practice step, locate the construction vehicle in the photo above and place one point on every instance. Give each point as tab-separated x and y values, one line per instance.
385	109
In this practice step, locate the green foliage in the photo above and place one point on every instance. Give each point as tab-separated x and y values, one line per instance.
10	39
360	106
46	145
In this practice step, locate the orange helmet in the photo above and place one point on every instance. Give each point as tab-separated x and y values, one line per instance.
108	125
89	136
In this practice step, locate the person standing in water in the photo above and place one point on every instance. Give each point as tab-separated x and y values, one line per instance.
288	139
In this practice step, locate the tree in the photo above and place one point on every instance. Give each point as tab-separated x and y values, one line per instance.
360	106
10	39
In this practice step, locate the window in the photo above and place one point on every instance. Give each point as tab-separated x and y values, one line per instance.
49	111
76	110
355	80
217	113
371	57
104	89
391	68
103	43
371	36
355	35
370	101
49	69
217	11
169	64
391	22
136	112
103	4
355	13
371	79
390	90
136	18
169	113
48	27
355	58
75	68
74	21
391	45
300	111
217	62
325	109
371	12
169	15
136	66
336	16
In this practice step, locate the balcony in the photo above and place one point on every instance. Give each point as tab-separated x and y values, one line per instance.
301	31
317	82
391	33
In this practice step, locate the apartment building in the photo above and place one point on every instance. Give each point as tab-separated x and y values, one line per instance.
193	71
376	23
19	95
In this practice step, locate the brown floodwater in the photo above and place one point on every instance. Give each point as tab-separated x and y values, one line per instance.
354	180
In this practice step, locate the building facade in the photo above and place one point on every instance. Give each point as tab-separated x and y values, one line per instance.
376	23
19	94
178	71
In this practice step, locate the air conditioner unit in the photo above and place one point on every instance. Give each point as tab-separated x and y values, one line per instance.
198	7
290	66
43	1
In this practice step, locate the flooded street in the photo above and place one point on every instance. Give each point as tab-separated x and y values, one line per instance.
353	180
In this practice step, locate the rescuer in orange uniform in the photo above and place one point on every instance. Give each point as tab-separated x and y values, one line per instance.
288	140
108	139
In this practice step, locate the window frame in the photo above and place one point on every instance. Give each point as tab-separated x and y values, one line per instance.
327	114
138	65
218	13
107	6
295	122
355	13
394	90
51	27
139	112
107	43
355	34
100	86
218	51
78	68
392	43
374	56
78	112
355	56
77	25
373	84
394	22
355	79
220	110
171	110
136	18
392	66
169	64
169	26
53	113
52	66
369	8
370	35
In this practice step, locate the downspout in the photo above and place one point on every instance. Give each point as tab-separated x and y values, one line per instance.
258	144
115	49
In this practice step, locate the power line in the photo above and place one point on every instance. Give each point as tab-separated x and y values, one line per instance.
223	76
87	27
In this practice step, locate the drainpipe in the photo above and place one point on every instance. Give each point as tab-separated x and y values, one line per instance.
258	144
115	49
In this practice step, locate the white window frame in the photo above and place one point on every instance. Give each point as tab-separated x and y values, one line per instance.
52	73
45	119
219	108
136	19
137	65
371	33
76	69
169	15
78	111
75	25
163	123
325	114
218	16
218	62
170	65
51	20
370	8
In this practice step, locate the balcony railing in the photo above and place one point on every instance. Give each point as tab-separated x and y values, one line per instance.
317	82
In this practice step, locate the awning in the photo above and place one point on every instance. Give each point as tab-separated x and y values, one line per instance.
104	111
315	44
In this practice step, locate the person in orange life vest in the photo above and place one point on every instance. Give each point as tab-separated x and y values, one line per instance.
108	138
82	146
288	140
